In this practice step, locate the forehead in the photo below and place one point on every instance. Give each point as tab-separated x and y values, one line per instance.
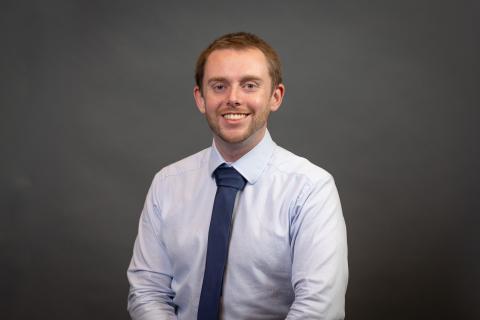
236	63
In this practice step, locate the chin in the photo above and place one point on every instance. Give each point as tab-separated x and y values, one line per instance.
233	139
242	137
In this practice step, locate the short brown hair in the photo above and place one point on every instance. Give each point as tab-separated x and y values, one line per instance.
241	41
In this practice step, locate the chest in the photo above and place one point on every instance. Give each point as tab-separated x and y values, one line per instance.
259	233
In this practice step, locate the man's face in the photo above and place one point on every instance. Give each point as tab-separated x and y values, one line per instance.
237	95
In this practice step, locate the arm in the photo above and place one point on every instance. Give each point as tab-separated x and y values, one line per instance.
319	255
150	296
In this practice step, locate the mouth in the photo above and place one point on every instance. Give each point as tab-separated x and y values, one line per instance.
234	116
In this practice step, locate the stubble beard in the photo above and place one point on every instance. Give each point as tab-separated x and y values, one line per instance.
257	122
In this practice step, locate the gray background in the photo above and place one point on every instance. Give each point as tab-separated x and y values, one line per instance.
96	97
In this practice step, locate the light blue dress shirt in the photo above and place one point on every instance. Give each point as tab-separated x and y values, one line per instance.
288	249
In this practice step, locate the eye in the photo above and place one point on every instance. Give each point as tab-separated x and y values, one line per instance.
250	86
218	87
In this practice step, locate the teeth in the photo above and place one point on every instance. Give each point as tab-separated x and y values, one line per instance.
234	116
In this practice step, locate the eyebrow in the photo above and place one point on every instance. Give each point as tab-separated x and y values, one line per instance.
251	78
243	79
216	79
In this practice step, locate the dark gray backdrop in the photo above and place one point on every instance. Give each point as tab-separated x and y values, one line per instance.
96	97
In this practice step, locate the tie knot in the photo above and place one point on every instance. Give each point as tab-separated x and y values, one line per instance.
229	177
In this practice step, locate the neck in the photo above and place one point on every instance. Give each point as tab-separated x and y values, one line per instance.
231	152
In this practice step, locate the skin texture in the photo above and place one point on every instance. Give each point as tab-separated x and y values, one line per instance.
237	82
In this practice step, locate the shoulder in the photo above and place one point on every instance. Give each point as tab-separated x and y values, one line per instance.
312	186
177	176
185	166
286	162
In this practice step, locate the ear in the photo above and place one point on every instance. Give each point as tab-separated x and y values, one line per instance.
199	100
277	97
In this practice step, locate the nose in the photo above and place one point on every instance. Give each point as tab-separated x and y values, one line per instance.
233	99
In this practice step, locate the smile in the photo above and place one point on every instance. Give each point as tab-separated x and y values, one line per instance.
235	116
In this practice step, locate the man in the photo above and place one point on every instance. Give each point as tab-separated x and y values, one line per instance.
271	245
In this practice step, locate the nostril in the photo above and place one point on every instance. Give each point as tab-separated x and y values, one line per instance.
233	103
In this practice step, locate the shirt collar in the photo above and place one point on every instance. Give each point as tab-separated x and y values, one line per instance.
252	164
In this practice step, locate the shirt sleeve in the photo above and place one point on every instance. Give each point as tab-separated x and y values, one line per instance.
149	274
319	255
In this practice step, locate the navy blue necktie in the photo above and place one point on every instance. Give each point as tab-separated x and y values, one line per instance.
229	181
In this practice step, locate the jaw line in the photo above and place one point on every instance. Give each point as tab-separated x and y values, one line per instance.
235	150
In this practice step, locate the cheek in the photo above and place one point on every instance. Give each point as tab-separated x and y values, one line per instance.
258	102
212	104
